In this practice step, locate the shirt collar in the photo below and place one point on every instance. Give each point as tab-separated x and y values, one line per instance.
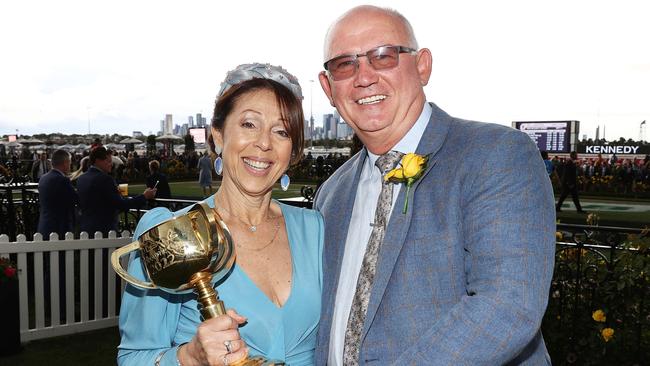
411	140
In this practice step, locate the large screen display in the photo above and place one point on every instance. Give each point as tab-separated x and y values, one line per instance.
551	136
198	134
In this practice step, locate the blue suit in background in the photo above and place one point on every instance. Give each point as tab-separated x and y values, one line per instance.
463	276
57	199
101	202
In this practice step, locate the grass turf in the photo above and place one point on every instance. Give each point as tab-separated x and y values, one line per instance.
97	348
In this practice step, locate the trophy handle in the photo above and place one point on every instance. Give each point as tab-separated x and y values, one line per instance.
115	261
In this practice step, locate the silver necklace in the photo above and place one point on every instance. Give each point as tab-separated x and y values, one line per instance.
251	227
275	235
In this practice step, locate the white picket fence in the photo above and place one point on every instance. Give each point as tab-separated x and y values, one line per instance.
35	321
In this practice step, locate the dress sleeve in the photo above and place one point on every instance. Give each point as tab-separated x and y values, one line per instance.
148	318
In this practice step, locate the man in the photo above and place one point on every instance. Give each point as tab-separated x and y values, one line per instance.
57	198
40	167
99	198
463	269
570	183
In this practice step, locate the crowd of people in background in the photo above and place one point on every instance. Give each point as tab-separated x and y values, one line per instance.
621	175
132	166
69	174
594	174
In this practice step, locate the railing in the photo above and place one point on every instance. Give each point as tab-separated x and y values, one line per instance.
130	218
18	208
606	269
20	215
68	286
65	286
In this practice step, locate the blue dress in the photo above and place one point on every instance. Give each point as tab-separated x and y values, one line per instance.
205	171
153	320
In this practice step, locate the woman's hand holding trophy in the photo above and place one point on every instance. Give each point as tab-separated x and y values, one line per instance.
189	252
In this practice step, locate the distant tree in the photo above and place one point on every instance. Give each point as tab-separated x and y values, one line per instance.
151	143
189	142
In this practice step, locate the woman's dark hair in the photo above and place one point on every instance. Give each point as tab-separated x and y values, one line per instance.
290	110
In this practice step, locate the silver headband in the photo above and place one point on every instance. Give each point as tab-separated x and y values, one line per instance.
246	72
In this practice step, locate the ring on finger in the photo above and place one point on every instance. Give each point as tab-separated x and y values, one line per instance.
224	359
228	345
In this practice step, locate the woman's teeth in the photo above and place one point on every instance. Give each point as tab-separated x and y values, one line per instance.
257	164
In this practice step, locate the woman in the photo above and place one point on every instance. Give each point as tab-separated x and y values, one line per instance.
84	164
158	180
274	288
205	174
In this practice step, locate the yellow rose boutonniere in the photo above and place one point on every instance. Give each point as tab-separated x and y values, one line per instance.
409	170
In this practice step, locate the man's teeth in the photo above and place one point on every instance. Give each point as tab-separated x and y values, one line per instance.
257	164
372	99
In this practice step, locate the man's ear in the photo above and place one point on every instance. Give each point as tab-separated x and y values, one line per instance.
424	65
327	88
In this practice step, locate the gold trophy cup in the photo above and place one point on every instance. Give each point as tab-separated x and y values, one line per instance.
186	253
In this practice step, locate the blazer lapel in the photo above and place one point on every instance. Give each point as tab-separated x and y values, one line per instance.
432	140
336	232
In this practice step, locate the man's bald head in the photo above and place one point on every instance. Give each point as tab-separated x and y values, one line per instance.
363	11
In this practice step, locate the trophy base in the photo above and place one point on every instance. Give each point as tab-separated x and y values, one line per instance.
257	361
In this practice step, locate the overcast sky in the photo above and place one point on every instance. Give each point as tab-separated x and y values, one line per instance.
120	66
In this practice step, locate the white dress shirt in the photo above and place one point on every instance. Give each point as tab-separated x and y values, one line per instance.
363	214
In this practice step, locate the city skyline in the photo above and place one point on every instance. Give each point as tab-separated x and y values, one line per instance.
76	66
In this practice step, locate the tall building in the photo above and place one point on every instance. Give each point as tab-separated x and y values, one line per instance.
190	121
169	124
307	131
597	133
343	131
318	133
311	127
199	120
330	123
162	127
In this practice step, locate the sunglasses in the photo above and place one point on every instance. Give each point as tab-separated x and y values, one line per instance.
380	58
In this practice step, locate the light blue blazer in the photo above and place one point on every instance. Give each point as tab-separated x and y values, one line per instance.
463	277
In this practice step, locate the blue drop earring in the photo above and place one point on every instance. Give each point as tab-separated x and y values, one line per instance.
284	182
218	165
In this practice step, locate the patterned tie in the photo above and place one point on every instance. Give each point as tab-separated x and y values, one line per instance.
359	307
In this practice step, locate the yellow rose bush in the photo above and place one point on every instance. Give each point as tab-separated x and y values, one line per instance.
599	303
607	334
599	316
